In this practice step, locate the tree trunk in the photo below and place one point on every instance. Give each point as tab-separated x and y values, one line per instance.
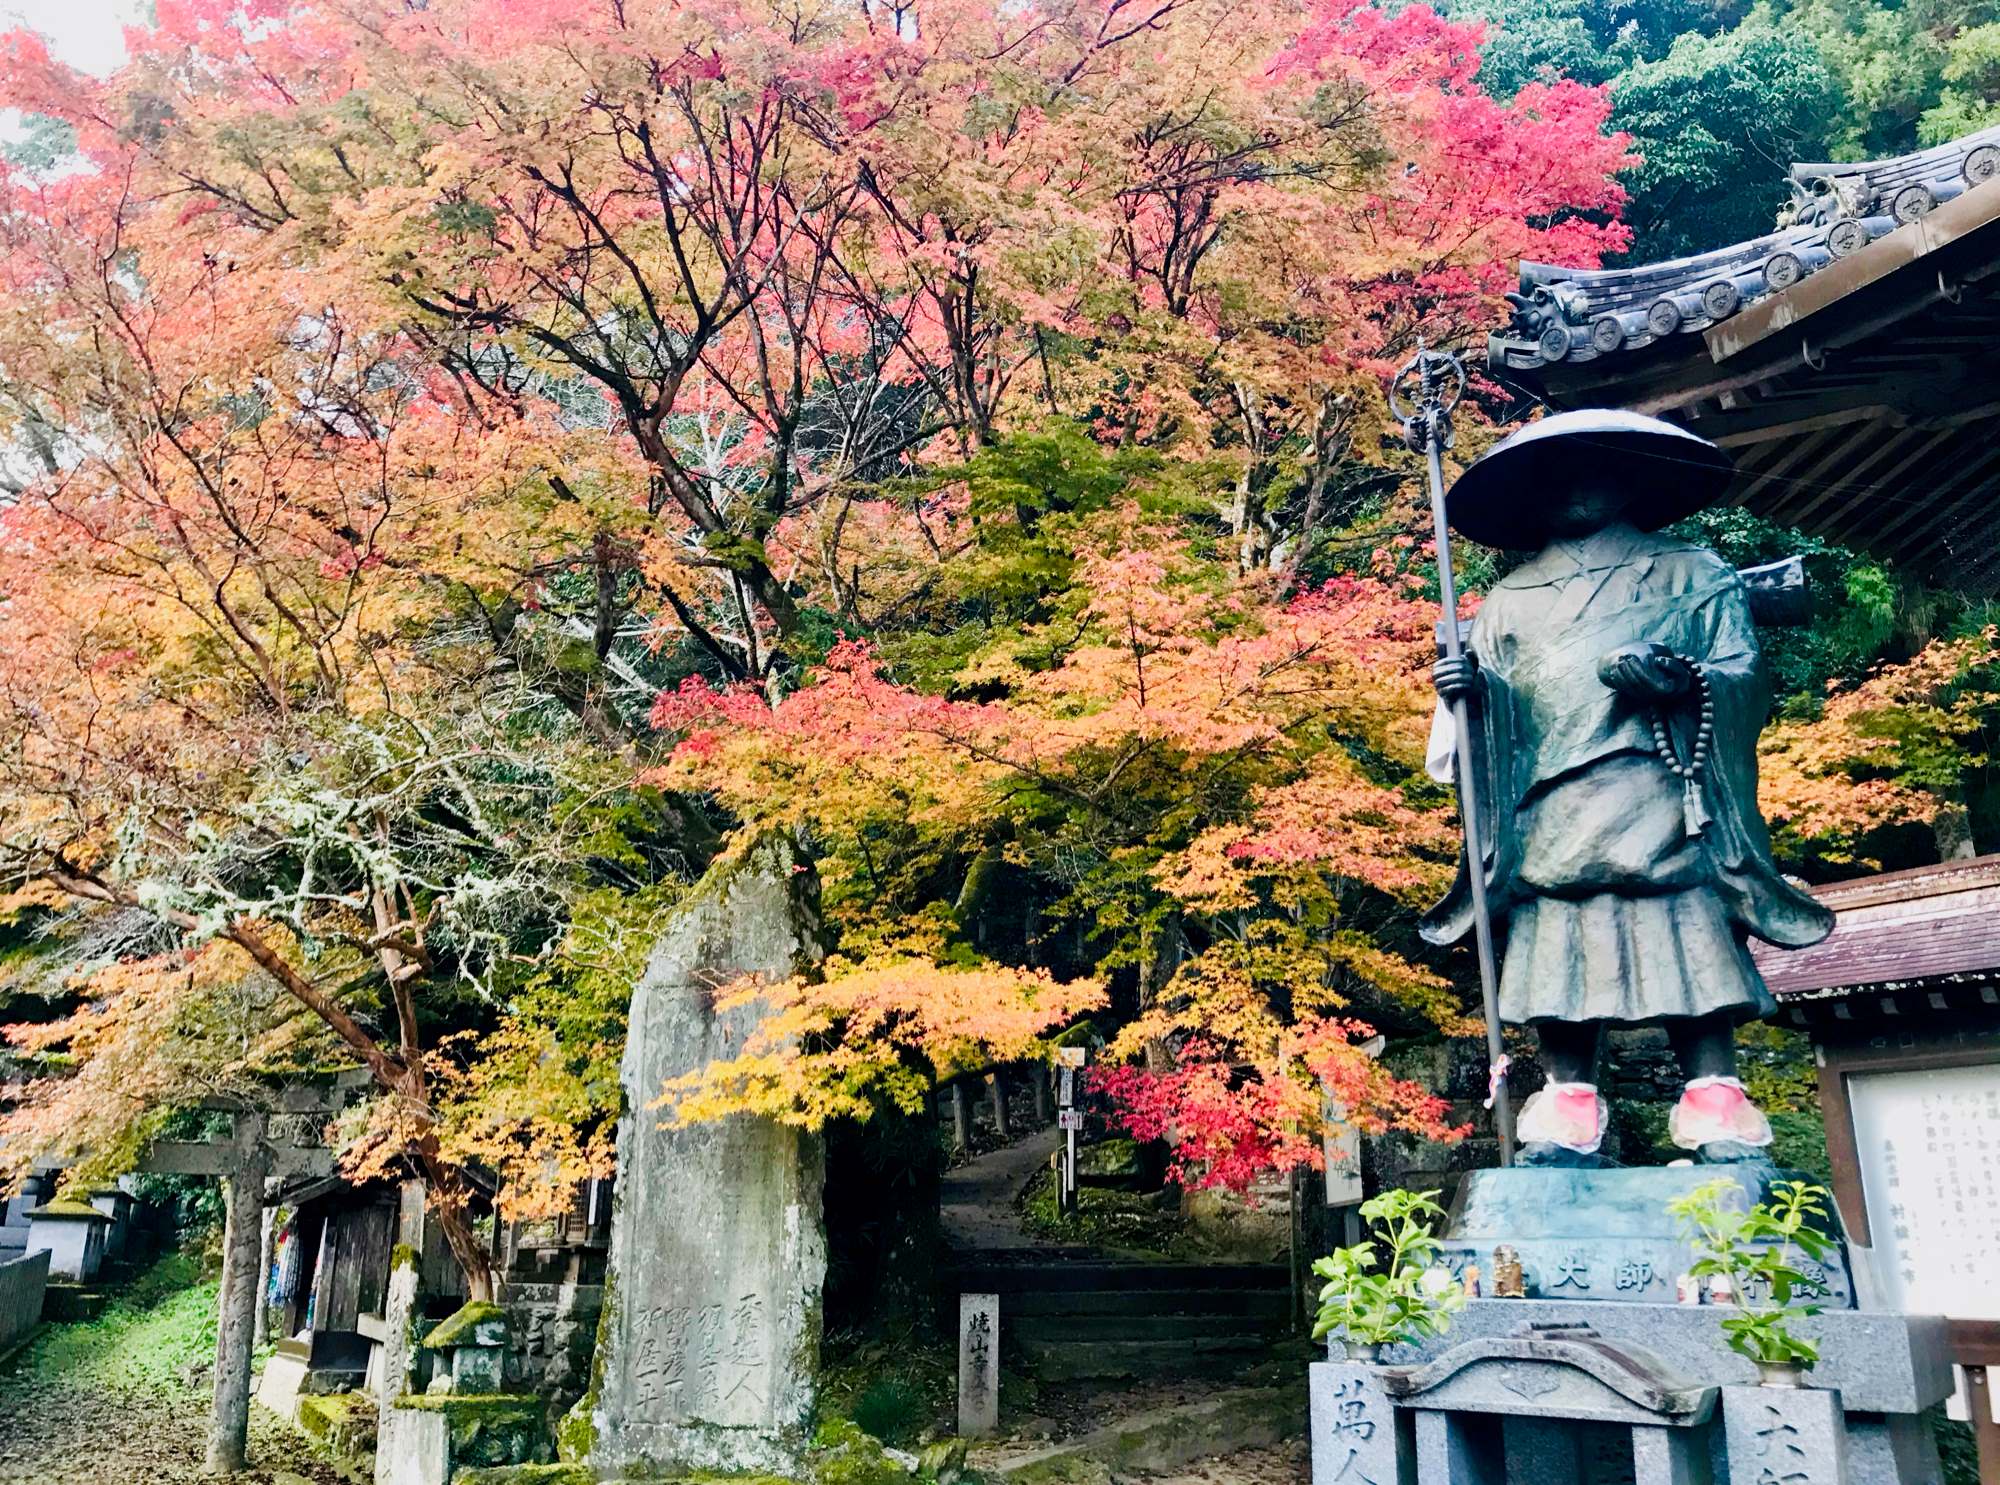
1038	1080
235	1328
1001	1124
447	1204
961	1116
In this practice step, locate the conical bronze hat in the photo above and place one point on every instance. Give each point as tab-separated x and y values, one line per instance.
1504	498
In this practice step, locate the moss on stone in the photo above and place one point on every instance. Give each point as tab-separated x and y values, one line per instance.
68	1206
469	1405
402	1256
525	1474
843	1454
344	1421
489	1428
456	1329
576	1435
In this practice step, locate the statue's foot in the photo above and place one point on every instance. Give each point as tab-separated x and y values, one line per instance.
1716	1114
1551	1156
1732	1152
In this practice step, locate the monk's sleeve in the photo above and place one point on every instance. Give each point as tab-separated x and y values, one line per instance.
1741	690
1490	764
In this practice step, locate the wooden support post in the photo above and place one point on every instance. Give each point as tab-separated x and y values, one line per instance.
1001	1124
235	1329
1038	1079
1979	1398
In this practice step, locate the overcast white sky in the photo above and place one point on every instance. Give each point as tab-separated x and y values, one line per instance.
87	34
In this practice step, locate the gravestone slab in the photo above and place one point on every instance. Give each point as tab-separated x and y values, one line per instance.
1545	1450
1784	1436
389	1362
1671	1456
1353	1426
978	1365
413	1447
73	1233
718	1247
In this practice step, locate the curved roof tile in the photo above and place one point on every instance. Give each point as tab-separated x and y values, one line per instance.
1579	314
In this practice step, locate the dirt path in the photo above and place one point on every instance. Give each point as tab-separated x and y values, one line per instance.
123	1400
976	1199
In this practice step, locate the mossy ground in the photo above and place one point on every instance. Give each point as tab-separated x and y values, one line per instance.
897	1388
1123	1221
123	1399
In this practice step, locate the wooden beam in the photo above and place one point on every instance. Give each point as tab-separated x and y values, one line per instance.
1949	494
1950	518
226	1158
1837	451
1767	422
1780	468
1914	448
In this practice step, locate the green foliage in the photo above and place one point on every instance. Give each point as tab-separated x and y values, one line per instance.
843	1454
1857	604
1714	120
1379	1292
1756	1252
154	1330
1127	1221
1776	1065
41	144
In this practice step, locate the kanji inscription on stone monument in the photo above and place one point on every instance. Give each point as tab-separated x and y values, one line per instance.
978	1364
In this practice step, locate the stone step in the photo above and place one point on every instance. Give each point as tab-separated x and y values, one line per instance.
1105	1360
1258	1303
1079	1330
1074	1275
65	1303
1165	1439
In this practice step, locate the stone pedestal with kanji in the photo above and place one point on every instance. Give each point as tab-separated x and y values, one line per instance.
1540	1392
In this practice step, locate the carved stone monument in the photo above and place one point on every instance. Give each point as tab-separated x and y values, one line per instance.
718	1249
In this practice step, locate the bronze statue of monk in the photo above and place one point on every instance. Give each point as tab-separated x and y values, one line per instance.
1616	695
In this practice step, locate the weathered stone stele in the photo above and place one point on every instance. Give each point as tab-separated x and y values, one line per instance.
718	1250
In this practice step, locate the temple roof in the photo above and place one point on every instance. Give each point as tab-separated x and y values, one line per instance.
1927	928
1580	314
1849	360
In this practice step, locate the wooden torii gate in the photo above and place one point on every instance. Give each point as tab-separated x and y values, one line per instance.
245	1163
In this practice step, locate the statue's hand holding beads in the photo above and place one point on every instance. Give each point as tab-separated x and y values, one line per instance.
1646	672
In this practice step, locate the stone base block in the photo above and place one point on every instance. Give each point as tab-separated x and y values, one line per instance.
1785	1433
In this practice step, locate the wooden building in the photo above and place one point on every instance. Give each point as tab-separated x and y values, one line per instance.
1848	359
1903	1006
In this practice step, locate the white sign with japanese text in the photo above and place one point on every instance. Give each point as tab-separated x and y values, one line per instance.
1930	1173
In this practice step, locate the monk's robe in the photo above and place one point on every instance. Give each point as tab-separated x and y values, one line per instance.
1624	895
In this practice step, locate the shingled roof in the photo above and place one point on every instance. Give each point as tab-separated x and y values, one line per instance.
1927	928
1577	315
1849	360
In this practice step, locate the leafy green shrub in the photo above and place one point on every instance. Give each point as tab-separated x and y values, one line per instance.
1376	1292
1755	1251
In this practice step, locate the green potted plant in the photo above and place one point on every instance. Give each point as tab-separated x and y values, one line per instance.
1756	1253
1381	1292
